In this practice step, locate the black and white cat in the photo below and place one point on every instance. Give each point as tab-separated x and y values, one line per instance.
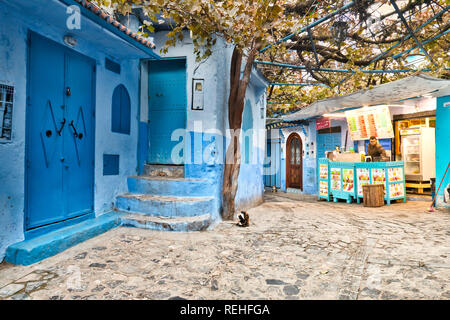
244	219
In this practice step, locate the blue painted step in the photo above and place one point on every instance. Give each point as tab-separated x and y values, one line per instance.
165	206
170	186
34	250
183	224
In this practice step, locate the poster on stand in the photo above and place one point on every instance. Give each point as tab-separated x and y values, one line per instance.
324	188
379	177
366	122
335	179
347	180
396	190
363	179
395	174
323	171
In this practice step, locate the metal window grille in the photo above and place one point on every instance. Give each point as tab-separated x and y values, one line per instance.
6	110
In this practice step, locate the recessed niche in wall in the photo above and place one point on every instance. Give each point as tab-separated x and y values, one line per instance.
110	164
121	110
6	110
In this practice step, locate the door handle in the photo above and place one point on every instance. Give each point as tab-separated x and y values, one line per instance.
63	123
75	133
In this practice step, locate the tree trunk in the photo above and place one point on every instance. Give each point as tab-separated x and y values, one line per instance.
236	101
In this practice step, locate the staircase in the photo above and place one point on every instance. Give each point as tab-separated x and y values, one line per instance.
162	199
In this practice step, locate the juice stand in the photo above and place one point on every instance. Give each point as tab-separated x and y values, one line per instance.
345	180
347	173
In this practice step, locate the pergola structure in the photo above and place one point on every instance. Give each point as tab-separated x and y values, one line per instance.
314	66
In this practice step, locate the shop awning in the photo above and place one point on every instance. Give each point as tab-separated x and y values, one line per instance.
282	124
409	87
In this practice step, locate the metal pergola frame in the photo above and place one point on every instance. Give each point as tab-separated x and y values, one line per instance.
411	34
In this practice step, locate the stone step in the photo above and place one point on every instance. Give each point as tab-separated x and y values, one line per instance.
165	206
161	170
170	186
180	224
34	250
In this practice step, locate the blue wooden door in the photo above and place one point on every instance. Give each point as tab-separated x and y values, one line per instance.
78	142
167	104
45	117
327	142
59	173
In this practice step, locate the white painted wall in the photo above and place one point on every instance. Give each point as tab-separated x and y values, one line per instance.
215	72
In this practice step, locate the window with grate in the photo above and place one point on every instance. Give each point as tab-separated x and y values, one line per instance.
121	110
6	109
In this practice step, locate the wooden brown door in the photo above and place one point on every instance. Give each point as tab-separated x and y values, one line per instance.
294	178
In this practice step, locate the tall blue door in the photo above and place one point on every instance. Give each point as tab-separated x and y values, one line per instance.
167	104
60	134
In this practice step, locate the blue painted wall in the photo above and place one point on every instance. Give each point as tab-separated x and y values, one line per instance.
250	183
16	18
272	164
442	149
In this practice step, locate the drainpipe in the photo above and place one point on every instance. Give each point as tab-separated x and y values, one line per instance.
138	153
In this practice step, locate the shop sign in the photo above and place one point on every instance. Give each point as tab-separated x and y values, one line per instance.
322	123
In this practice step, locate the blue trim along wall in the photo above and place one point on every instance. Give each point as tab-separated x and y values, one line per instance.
17	18
282	160
442	149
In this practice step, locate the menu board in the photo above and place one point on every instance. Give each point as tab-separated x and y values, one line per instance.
347	180
362	175
323	188
366	122
335	178
323	171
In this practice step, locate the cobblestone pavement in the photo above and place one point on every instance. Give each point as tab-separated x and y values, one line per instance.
292	250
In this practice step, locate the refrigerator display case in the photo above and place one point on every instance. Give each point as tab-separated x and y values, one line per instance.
418	153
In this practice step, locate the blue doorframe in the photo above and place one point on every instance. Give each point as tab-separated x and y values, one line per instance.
167	108
59	167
